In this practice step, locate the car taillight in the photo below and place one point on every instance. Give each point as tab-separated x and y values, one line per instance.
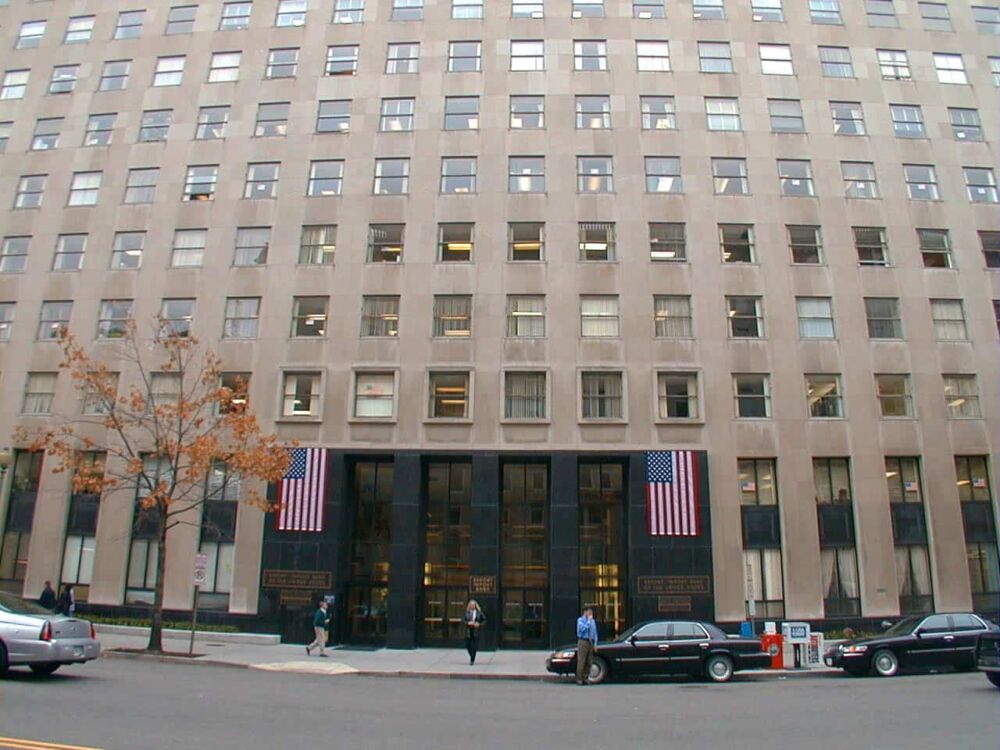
93	632
46	632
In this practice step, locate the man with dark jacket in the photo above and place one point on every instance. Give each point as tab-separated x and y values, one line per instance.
48	597
320	622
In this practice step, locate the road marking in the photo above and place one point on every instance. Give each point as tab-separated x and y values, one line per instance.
13	743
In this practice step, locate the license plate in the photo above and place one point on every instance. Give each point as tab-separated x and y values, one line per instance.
829	662
78	651
989	661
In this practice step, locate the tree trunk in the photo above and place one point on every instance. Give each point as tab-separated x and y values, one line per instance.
155	644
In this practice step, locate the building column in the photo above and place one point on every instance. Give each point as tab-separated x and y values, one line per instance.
404	560
564	548
484	545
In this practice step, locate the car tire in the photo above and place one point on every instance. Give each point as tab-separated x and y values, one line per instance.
885	663
4	664
994	678
718	668
44	669
598	671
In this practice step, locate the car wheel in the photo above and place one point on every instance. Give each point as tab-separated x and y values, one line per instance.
719	668
885	663
994	677
3	659
44	669
598	671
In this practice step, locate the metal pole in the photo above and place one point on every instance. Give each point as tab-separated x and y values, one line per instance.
194	618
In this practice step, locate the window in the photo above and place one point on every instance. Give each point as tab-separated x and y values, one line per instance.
333	116
348	11
776	59
859	179
126	250
140	186
224	66
342	60
199	182
235	16
114	75
921	182
746	317
309	316
594	174
63	79
5	128
730	176
835	517
291	13
527	112
449	395
154	125
736	241
527	8
873	250
318	245
708	10
14	84
402	58
602	395
907	121
242	317
527	55
966	124
452	316
593	112
994	68
935	248
597	241
723	114
84	189
30	189
950	68
301	394
825	11
272	119
30	34
824	397
805	244
961	396
455	242
881	13
39	393
282	63
385	243
715	57
524	395
752	396
996	313
325	178
374	395
795	178
526	174
990	242
949	320
987	19
464	57
786	116
767	10
815	317
14	254
672	316
6	319
397	115
526	241
909	527
599	316
980	532
893	64
212	123
677	395
176	316
188	248
262	180
895	398
663	174
129	24
461	113
980	184
848	118
936	16
525	316
588	8
46	135
252	244
667	242
407	10
169	71
648	9
883	318
53	320
650	56
458	175
379	316
180	19
99	130
835	62
392	176
113	318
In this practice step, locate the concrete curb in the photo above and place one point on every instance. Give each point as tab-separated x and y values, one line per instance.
242	639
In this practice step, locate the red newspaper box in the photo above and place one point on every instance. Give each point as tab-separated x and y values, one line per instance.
773	643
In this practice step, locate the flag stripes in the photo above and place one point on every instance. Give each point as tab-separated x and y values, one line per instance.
302	491
672	493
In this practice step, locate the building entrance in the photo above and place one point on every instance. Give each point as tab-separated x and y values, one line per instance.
368	585
524	596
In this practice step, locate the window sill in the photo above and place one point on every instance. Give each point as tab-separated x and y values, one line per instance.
677	421
299	419
447	420
371	420
617	421
543	422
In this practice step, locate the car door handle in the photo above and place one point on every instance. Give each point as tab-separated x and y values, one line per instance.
949	637
663	646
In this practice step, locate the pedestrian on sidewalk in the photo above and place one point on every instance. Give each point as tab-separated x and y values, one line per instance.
586	642
66	605
474	619
321	620
48	596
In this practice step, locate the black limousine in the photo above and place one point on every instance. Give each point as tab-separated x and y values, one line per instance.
667	647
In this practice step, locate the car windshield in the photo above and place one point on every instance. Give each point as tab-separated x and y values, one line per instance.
18	606
903	627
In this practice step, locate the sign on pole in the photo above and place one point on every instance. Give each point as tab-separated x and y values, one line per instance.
751	601
200	569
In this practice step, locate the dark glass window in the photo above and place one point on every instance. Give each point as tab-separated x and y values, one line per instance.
368	588
27	467
602	544
446	550
524	555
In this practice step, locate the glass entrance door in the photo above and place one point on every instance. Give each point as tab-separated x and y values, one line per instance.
602	544
446	551
368	588
524	553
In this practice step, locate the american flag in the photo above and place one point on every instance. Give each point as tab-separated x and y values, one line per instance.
672	493
302	491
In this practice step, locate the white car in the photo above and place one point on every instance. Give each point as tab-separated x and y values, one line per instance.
35	637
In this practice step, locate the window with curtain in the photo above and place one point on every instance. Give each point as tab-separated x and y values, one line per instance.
599	316
672	316
524	395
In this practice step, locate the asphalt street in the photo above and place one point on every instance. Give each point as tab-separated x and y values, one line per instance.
138	705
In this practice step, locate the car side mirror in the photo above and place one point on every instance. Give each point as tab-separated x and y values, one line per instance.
631	639
886	624
918	633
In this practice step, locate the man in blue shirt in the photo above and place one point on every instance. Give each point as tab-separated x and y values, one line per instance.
586	642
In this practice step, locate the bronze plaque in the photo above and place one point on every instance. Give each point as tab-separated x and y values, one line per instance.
295	596
667	604
482	584
655	585
297	579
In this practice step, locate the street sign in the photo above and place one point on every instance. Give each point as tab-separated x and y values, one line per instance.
751	601
200	569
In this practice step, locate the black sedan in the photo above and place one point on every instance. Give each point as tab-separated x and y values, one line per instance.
921	641
667	647
988	655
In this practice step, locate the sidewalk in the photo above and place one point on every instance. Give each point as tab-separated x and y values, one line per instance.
448	663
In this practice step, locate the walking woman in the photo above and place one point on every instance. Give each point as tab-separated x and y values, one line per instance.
474	619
